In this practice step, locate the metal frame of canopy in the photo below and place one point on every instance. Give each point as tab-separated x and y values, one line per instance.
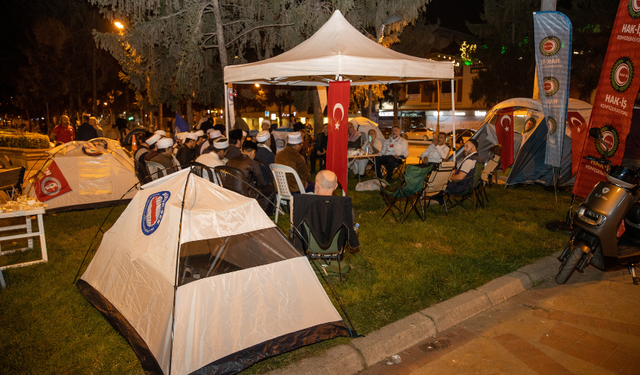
325	50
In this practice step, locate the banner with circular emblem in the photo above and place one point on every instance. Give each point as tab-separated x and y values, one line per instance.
616	94
552	35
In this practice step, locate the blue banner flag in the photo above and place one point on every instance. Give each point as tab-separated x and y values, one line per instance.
552	34
180	125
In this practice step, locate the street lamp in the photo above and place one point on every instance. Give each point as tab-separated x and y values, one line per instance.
119	25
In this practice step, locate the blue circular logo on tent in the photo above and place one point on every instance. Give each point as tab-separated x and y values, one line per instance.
153	211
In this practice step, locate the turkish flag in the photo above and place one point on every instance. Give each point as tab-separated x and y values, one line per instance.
578	127
338	113
504	132
52	184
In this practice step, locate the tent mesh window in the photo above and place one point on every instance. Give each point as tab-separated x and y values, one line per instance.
206	258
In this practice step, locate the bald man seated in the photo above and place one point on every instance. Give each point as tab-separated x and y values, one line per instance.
326	183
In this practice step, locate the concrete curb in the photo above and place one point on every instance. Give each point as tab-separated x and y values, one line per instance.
366	351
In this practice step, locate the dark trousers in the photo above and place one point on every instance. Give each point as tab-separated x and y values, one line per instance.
313	157
390	164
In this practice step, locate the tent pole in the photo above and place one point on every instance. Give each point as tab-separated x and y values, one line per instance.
453	118
226	109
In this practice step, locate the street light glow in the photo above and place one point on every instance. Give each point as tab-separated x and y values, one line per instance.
257	84
119	25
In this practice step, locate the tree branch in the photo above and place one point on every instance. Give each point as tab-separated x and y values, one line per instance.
256	28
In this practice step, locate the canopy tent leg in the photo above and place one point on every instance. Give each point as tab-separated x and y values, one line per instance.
453	118
226	109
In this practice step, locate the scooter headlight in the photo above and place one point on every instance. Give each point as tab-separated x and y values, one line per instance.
590	217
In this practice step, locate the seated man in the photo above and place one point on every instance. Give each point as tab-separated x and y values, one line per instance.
436	152
326	183
163	157
235	142
371	146
462	179
215	154
187	151
319	151
355	139
394	151
290	156
265	156
262	192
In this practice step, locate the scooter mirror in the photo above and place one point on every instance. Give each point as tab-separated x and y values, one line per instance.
594	133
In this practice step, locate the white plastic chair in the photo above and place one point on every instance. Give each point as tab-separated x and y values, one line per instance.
156	170
284	195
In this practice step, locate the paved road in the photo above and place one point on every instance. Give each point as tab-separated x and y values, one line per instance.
591	325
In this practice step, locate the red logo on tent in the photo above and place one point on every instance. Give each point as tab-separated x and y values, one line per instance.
52	184
153	211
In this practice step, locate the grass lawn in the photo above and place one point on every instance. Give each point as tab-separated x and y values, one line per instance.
47	327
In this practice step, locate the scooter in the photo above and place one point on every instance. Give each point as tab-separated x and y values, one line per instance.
606	226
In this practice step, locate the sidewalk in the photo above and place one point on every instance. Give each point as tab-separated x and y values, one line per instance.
591	325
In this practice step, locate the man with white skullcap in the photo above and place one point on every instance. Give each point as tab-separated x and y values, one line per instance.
162	133
266	126
215	153
145	147
264	153
187	152
202	137
290	156
212	134
164	157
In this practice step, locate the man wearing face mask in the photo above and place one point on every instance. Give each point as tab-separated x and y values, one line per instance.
394	151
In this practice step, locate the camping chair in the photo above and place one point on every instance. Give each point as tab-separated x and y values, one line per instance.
156	170
324	227
205	172
11	179
411	189
489	168
437	186
473	193
284	195
232	179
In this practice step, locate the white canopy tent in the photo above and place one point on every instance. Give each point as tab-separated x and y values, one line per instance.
338	51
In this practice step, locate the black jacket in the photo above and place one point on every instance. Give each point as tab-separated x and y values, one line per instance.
325	216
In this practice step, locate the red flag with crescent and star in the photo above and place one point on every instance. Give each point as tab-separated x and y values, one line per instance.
504	132
51	184
338	114
578	127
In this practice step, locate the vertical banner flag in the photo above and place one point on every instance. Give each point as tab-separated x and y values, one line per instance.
180	126
338	113
504	132
232	113
552	34
52	184
616	93
578	127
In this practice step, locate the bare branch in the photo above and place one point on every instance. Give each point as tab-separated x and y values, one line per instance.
256	28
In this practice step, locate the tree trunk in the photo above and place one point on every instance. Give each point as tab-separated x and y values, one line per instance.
94	102
161	120
222	48
189	113
395	104
317	112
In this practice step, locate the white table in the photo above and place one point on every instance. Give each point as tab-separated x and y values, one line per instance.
27	214
354	158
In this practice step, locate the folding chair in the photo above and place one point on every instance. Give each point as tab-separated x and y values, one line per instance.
489	168
205	172
11	180
324	228
437	186
284	195
232	179
410	189
156	170
472	194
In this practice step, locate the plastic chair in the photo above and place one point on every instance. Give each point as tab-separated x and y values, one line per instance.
437	186
156	170
410	189
284	195
473	193
11	179
205	172
232	179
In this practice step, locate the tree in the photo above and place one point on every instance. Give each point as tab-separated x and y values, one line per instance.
177	50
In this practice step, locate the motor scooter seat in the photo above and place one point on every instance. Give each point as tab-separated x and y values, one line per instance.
633	215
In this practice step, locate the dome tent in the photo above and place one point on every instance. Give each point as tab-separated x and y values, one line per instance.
199	280
96	176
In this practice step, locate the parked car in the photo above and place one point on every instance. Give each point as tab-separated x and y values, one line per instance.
419	134
462	135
